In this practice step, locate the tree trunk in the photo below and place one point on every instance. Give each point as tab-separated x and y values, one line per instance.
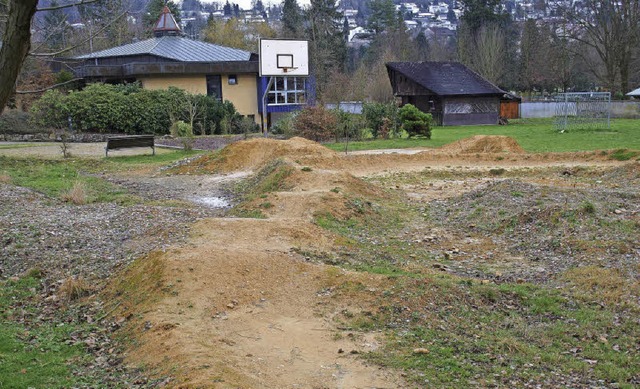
15	45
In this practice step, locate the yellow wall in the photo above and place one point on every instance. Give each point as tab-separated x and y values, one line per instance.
191	84
243	95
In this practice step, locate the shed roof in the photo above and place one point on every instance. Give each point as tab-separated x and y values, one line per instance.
174	48
446	78
635	92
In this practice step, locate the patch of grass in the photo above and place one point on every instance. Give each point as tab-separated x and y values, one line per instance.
247	213
534	135
33	352
271	178
306	169
623	154
64	179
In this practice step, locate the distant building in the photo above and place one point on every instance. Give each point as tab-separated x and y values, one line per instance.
172	60
451	92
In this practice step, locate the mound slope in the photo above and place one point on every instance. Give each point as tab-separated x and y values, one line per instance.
485	144
255	153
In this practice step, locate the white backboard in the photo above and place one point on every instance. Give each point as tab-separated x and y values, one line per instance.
284	57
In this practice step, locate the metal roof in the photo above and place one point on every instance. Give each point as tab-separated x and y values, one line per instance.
446	78
635	92
174	48
166	22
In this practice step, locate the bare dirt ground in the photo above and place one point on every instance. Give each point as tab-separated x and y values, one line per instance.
238	306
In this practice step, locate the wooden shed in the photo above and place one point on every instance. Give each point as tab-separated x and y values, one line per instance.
510	106
451	92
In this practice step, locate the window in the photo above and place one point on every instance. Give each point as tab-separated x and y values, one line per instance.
288	90
233	79
214	87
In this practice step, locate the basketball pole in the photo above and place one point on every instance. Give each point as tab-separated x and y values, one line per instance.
264	106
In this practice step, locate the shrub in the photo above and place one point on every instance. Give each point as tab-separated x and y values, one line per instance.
415	122
349	125
184	131
51	110
76	195
284	126
381	117
17	122
130	109
315	123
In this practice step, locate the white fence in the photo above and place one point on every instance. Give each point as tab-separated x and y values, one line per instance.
547	109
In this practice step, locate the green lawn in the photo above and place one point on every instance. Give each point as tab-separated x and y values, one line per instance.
534	135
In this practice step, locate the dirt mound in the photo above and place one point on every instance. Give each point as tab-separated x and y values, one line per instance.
484	144
255	153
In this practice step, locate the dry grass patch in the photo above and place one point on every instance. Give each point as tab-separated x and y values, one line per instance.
5	179
607	285
74	288
76	195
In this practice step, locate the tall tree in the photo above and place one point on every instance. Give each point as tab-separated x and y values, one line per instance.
612	30
291	20
383	16
237	34
532	57
16	42
327	46
55	27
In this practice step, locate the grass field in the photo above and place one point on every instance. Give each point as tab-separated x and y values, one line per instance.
534	135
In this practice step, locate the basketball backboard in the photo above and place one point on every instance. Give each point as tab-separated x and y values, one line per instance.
284	57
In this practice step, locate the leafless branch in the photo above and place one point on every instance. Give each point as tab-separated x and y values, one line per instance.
91	36
81	2
24	92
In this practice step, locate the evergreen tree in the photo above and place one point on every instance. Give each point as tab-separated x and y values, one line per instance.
227	9
327	46
383	16
291	20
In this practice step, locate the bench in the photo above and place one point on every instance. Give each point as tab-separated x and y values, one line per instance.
121	142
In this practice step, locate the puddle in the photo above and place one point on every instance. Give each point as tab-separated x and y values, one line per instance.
213	202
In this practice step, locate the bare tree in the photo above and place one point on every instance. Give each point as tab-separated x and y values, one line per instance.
16	40
612	30
490	57
15	44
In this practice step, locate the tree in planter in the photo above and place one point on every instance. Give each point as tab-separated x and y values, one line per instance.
415	122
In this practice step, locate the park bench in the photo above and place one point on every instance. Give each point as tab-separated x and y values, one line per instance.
121	142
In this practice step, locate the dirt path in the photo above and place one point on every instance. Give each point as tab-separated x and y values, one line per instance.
245	311
239	306
244	308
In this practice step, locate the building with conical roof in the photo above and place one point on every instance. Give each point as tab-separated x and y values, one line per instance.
171	60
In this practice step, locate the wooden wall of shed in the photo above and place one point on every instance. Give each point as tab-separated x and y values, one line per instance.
402	86
510	109
473	117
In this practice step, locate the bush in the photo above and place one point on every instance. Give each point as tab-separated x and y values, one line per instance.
132	110
415	122
17	122
51	110
284	126
315	123
381	118
350	125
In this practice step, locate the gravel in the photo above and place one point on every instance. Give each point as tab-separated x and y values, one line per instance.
514	230
84	240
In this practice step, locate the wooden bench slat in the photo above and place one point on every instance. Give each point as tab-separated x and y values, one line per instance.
121	142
